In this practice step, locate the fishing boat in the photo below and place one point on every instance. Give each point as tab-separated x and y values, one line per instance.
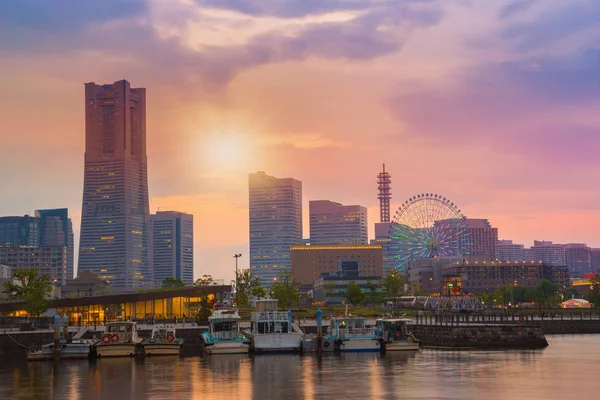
349	334
120	340
273	330
224	336
68	349
395	334
163	342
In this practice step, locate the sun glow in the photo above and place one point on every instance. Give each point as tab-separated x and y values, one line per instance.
228	151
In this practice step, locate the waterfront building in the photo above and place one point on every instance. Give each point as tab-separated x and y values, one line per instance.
335	223
173	246
578	258
331	289
275	224
548	252
19	231
50	260
310	262
455	276
509	251
87	283
482	238
56	229
115	230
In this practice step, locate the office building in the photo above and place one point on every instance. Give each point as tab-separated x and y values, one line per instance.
275	224
382	238
56	229
578	258
482	238
335	223
331	289
50	260
548	253
595	261
173	246
19	231
115	230
311	262
509	251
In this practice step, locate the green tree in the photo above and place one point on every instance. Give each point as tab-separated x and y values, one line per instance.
354	294
205	304
393	284
258	291
173	283
285	289
246	283
33	289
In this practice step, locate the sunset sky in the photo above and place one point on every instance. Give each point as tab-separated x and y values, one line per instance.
493	103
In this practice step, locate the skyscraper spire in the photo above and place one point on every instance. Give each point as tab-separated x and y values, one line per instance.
384	179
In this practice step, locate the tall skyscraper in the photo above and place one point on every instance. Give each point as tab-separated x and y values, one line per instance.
275	224
56	229
115	230
335	223
173	246
19	231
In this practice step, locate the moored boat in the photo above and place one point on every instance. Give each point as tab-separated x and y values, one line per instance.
120	340
224	336
75	349
396	335
273	330
349	334
163	342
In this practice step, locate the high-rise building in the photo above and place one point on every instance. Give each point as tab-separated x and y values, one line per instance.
334	223
173	246
51	260
482	238
382	238
595	261
509	251
548	253
56	229
115	230
19	231
275	224
578	258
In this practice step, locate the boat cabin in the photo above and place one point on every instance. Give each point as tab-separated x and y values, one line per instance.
163	334
342	327
393	329
122	331
267	319
224	325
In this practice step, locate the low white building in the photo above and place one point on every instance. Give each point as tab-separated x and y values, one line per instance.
575	303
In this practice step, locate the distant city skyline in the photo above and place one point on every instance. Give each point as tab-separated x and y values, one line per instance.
501	117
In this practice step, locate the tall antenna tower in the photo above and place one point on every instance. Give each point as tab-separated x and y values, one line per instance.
384	179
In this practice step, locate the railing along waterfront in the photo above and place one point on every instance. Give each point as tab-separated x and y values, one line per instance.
446	318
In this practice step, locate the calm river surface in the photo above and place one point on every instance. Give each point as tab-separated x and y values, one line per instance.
568	369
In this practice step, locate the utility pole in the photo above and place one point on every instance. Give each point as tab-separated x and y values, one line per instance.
236	256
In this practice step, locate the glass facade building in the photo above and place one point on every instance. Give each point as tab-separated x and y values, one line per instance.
173	246
115	238
56	229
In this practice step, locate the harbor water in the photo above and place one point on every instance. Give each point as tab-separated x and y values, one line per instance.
568	368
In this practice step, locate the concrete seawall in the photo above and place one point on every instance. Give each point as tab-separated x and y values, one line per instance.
481	336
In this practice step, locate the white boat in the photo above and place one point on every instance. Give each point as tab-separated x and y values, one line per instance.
75	349
396	335
349	334
163	342
120	340
223	336
272	330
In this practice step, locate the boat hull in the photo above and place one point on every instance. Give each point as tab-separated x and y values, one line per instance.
162	349
116	350
359	345
402	346
227	348
276	342
68	352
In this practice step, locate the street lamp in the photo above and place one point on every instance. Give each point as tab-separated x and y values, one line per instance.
236	256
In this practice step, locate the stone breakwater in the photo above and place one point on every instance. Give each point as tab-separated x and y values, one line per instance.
481	336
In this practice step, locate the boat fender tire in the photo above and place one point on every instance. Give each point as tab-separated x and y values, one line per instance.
170	337
106	339
115	338
326	344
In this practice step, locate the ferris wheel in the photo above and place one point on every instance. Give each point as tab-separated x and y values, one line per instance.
425	226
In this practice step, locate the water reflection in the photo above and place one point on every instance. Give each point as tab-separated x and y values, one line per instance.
566	369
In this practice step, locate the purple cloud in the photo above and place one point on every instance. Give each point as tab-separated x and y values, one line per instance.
514	8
